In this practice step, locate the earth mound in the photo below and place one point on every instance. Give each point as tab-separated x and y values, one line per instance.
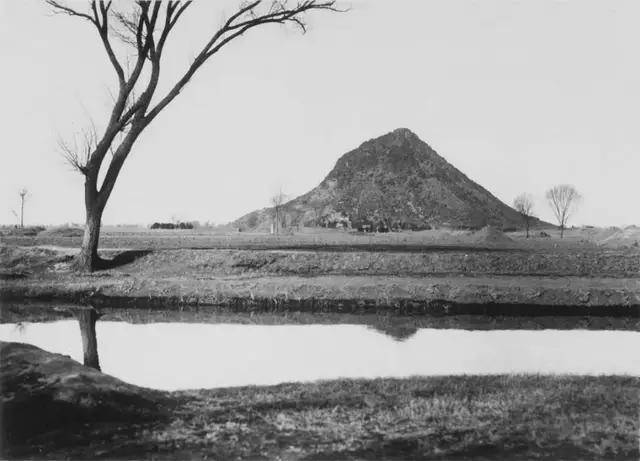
42	391
393	182
490	235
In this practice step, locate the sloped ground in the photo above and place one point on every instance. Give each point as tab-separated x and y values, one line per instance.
44	392
16	262
83	414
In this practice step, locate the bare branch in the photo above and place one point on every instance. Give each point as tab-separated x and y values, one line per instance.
126	27
100	19
244	19
78	155
63	9
70	154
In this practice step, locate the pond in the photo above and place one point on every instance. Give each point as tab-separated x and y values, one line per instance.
181	355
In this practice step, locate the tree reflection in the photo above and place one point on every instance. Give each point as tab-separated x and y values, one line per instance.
87	317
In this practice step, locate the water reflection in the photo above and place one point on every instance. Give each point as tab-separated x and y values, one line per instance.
398	332
87	318
173	355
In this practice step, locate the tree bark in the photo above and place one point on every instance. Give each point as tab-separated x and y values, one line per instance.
88	259
95	201
87	319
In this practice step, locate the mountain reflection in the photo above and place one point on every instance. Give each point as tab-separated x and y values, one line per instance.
397	332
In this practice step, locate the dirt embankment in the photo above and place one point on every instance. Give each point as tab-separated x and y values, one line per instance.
340	281
54	408
42	391
450	262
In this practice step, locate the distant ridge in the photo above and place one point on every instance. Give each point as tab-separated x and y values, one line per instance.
395	181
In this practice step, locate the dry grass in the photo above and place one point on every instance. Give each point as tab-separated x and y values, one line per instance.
419	418
492	417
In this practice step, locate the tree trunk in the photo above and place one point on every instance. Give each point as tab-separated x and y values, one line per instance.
87	319
527	224
88	259
561	230
22	212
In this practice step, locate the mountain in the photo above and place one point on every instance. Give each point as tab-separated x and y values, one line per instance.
393	181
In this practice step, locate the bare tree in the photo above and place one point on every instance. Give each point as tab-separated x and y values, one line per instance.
563	200
24	192
147	27
523	204
277	201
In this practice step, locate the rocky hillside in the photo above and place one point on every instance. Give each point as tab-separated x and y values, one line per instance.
396	181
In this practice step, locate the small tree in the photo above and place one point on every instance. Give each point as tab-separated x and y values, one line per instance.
278	201
563	200
20	219
523	204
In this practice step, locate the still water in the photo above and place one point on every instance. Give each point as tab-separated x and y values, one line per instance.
180	355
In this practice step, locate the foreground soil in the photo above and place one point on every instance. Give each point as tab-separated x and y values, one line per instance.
53	408
432	280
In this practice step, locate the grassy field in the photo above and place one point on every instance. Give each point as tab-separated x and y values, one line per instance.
75	412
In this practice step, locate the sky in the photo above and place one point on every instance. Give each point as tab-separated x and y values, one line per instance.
518	95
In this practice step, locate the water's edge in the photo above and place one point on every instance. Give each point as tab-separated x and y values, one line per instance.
327	305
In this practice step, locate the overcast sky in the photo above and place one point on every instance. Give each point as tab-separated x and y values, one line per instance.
519	95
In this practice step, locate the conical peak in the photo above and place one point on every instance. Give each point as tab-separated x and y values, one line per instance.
406	132
397	137
400	134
